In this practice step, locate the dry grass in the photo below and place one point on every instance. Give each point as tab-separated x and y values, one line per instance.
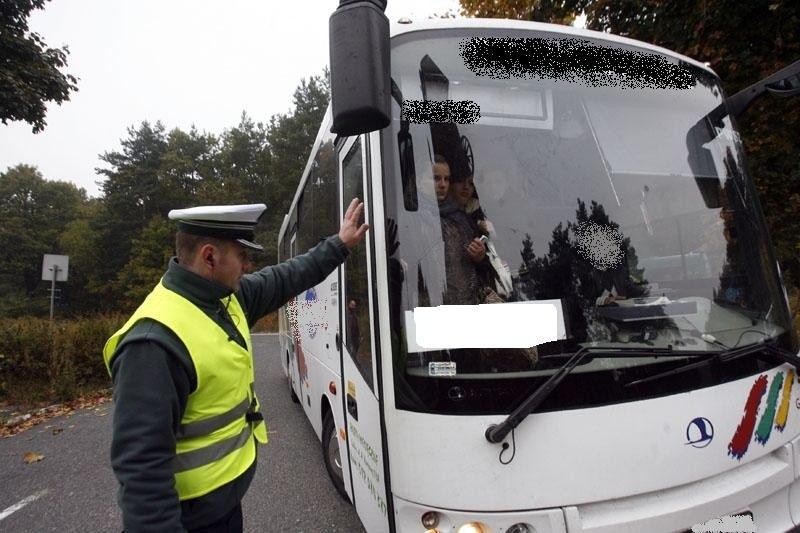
268	324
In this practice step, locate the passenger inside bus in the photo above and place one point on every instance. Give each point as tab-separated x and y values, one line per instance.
464	252
496	274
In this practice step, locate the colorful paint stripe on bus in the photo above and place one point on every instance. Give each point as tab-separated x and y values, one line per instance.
773	415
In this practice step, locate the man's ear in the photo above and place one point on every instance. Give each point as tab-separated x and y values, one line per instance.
205	255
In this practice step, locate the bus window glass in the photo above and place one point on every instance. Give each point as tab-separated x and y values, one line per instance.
322	179
615	203
358	332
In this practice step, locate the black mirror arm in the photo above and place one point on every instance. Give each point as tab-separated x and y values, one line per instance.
785	82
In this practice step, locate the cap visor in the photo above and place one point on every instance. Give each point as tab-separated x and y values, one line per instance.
249	244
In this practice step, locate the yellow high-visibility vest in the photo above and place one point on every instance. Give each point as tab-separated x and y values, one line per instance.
215	443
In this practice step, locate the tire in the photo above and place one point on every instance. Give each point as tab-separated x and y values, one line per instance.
331	455
292	393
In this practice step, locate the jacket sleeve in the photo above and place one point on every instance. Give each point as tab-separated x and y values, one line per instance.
151	386
268	289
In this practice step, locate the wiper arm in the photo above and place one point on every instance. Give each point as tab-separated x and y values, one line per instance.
497	432
724	357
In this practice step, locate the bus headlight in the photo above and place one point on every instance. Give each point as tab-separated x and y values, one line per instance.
474	527
519	528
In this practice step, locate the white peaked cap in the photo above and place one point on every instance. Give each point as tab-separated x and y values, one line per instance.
235	222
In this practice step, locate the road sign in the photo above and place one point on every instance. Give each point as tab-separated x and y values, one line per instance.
57	263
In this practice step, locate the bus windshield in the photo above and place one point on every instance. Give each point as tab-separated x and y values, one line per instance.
622	205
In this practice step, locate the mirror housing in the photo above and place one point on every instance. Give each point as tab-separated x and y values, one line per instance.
360	73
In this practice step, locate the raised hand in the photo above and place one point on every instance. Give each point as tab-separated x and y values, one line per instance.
351	233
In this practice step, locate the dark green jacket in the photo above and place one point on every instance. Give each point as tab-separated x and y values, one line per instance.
153	376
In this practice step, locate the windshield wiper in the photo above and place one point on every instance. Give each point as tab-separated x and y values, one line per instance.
726	356
497	432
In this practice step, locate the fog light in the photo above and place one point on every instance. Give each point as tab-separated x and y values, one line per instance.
474	527
519	528
430	519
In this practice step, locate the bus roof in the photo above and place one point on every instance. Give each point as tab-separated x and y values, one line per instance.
410	26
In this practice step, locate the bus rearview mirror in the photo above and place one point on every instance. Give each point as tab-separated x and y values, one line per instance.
360	75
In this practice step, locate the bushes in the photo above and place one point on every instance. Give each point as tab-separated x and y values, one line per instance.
40	364
36	366
267	324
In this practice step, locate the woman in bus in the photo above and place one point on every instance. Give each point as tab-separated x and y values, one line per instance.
492	271
463	192
464	254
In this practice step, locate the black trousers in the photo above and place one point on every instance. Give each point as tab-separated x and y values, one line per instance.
230	523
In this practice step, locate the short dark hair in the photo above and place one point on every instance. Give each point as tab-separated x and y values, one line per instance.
186	244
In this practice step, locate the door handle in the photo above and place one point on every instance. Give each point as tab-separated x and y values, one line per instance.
352	406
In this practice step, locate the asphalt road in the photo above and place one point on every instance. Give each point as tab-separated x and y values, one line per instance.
73	488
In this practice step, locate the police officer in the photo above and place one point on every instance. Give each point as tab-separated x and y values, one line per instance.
186	418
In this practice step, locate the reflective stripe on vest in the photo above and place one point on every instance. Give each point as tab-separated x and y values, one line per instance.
209	425
215	442
213	452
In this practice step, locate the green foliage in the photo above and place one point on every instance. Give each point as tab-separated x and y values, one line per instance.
151	251
558	12
290	138
119	244
30	72
39	363
33	213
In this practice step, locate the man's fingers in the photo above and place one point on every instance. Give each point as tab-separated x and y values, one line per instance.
356	216
355	203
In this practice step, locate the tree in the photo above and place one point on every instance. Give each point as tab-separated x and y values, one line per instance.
151	251
189	167
135	189
290	138
33	212
558	12
30	72
244	163
79	241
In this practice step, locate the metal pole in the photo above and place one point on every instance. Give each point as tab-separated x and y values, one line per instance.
53	292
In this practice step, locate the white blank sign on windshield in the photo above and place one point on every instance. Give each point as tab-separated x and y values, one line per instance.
499	325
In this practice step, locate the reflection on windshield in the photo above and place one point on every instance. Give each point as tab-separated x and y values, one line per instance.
609	202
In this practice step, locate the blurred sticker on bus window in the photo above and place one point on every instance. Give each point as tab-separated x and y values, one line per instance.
500	325
442	368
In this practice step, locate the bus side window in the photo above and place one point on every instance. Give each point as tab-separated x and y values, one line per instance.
357	329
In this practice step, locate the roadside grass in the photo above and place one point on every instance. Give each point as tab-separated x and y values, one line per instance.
48	363
46	368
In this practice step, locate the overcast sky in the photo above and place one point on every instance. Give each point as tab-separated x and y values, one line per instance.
182	62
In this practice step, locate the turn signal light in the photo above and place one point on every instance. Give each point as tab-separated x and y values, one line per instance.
430	519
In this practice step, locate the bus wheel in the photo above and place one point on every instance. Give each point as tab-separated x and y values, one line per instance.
331	455
292	393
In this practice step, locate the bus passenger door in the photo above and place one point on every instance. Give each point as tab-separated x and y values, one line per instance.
361	407
292	372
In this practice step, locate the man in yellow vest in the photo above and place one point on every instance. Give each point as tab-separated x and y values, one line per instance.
186	418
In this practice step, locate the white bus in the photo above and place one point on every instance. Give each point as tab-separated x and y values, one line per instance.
666	395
